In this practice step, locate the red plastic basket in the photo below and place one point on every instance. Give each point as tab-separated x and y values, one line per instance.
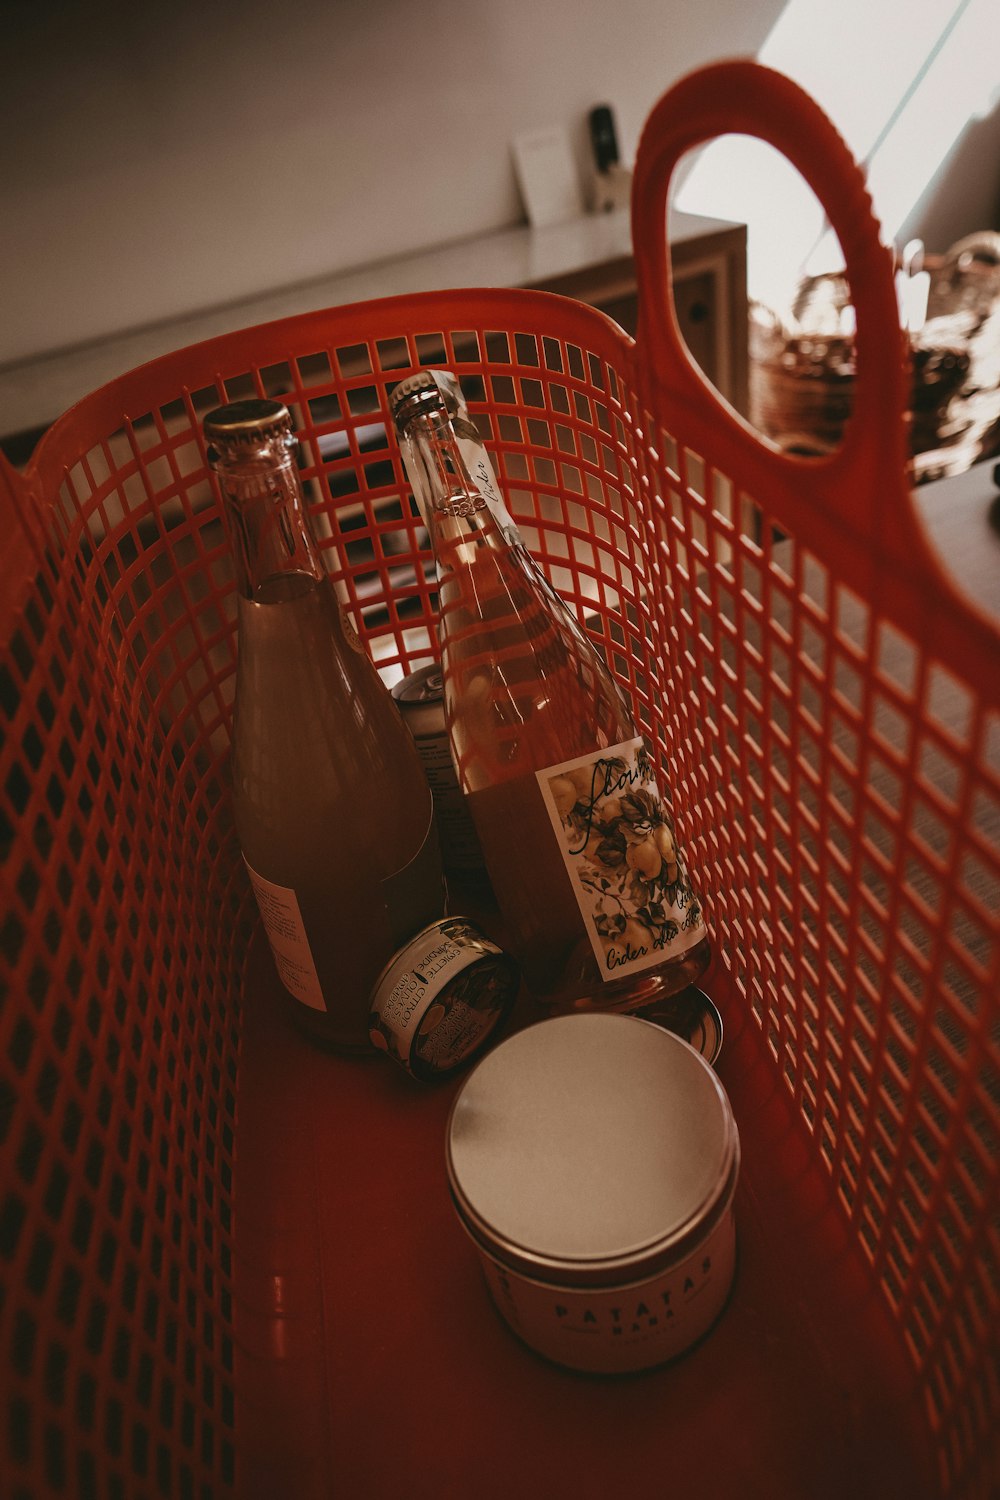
228	1263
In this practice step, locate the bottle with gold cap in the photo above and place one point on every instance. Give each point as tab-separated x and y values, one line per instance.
580	849
332	807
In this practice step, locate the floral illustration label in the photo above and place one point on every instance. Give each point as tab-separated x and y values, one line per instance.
618	845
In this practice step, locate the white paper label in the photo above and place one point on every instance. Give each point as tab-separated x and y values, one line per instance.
459	844
431	1010
417	988
481	472
279	910
621	855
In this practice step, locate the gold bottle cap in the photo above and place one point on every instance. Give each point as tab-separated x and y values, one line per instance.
417	392
244	425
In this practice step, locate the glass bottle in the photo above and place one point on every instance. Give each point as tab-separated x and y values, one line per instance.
581	851
332	807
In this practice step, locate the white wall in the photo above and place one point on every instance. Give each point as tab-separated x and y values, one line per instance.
964	194
159	159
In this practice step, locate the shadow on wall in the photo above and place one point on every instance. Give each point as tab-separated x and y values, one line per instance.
964	194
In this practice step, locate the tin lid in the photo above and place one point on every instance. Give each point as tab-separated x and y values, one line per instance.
425	685
591	1150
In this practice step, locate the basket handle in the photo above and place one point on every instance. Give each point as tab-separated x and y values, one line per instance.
743	97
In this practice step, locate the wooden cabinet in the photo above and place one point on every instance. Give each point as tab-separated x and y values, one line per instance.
708	257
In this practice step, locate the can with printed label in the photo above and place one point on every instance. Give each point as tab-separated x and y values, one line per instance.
442	998
420	698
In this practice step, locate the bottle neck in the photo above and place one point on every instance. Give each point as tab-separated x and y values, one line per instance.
272	541
452	482
456	491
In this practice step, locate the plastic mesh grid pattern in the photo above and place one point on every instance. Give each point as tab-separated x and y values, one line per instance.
836	778
846	786
838	787
118	1042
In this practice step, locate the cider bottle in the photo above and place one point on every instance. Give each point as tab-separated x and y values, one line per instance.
581	851
332	807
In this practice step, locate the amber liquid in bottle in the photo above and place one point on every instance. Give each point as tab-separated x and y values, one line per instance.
332	807
525	692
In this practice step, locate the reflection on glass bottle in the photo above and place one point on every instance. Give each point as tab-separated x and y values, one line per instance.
332	807
580	849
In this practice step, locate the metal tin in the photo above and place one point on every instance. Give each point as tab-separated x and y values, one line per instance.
441	998
593	1159
420	698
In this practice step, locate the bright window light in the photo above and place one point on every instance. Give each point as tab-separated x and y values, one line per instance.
900	79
